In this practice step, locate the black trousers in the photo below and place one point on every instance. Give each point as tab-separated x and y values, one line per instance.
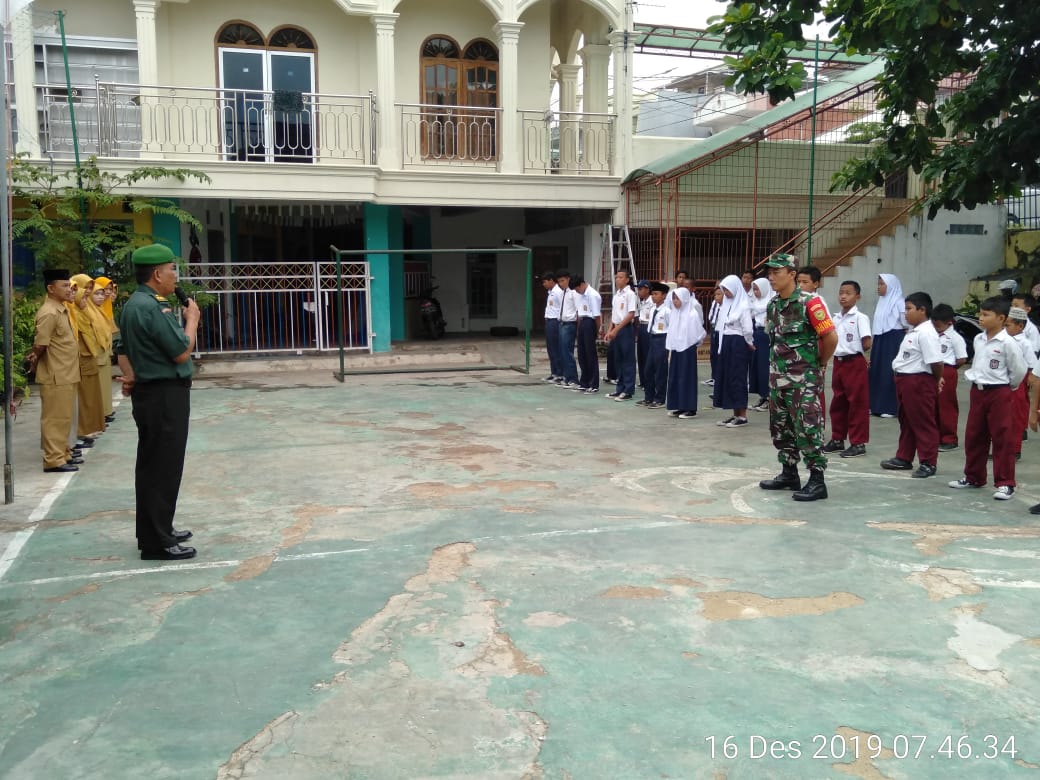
161	411
588	360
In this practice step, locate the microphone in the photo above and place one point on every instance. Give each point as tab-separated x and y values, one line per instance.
182	297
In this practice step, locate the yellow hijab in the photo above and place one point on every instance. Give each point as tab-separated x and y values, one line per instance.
90	322
106	308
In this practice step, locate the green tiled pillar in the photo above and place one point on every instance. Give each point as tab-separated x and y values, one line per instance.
384	229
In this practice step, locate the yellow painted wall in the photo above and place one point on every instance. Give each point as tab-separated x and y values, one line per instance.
101	18
1020	242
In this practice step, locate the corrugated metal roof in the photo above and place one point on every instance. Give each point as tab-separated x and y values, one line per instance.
838	84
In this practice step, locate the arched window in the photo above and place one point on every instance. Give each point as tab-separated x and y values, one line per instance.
465	82
267	103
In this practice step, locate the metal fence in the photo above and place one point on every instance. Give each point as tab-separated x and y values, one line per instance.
570	143
1024	212
279	307
131	120
432	135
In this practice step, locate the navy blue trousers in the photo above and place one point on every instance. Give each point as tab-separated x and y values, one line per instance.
655	373
642	350
626	359
552	346
714	357
568	368
588	360
758	369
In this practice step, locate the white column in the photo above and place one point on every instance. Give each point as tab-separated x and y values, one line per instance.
510	158
569	119
24	76
595	59
388	126
147	48
147	73
621	53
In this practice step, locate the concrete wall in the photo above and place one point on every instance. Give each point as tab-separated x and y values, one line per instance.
925	256
99	18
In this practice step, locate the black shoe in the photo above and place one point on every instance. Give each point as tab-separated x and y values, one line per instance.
814	489
896	464
834	445
855	451
787	479
181	536
84	444
65	467
924	471
109	418
175	553
947	447
1034	509
75	461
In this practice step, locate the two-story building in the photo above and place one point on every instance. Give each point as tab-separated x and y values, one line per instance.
364	124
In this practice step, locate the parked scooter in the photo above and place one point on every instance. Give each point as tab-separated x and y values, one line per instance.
431	314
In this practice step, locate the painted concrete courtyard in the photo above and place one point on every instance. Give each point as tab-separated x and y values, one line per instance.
475	575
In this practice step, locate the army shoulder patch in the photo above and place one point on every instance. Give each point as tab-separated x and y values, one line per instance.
818	316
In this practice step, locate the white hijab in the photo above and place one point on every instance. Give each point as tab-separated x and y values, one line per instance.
890	312
759	305
735	308
686	324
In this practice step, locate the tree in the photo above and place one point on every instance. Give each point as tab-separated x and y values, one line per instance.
979	144
61	215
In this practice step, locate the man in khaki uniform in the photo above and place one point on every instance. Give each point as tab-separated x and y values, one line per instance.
55	357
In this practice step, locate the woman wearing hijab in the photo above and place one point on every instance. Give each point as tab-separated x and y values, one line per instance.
758	370
99	298
888	328
90	326
737	341
685	332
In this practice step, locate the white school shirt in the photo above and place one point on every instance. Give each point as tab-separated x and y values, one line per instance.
952	346
1028	355
624	302
1032	334
997	361
920	348
591	302
553	303
851	327
569	306
743	326
645	308
659	320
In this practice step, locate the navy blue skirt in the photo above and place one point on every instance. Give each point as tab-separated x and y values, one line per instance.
731	374
758	369
682	380
882	381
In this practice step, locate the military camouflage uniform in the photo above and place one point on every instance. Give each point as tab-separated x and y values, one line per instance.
796	420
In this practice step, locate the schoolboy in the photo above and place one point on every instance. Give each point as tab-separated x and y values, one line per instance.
644	306
747	279
918	369
1015	327
809	279
622	331
955	355
655	386
568	331
553	299
996	370
589	305
1032	333
850	401
714	334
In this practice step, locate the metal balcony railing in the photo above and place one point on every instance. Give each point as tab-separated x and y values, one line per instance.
568	143
132	120
435	135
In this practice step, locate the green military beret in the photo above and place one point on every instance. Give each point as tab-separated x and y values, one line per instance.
153	254
782	260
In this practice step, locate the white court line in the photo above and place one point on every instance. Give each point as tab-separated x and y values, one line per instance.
196	566
18	542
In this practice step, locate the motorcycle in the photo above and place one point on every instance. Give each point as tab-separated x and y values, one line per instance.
431	314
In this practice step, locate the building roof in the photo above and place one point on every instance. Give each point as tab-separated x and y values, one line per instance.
757	125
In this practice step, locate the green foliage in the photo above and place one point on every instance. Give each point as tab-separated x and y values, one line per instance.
864	132
24	332
973	146
56	218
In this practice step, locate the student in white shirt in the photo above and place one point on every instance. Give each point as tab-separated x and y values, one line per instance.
713	330
850	389
955	354
758	368
997	368
589	303
655	386
1032	333
644	307
623	333
553	299
888	328
685	333
918	370
1015	327
568	331
737	343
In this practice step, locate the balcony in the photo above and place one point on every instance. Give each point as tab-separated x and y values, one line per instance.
197	124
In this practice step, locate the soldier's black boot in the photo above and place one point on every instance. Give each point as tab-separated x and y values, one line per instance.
814	489
787	479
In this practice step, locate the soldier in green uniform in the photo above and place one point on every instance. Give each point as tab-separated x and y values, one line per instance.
802	339
154	354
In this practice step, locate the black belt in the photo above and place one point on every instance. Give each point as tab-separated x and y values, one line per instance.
981	386
178	380
843	358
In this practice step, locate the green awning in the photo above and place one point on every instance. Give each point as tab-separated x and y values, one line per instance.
698	149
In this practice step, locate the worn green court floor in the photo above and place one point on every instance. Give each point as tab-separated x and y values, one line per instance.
480	576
